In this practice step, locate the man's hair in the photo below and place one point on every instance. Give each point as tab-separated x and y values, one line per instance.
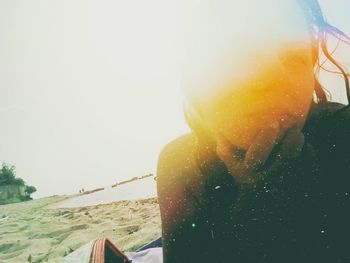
320	31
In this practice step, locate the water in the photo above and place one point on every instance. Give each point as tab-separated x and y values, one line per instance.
139	189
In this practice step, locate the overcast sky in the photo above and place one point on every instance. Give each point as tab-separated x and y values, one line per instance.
90	90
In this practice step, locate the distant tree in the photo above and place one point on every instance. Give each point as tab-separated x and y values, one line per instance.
30	189
8	177
18	181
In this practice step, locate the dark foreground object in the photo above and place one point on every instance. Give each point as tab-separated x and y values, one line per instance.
298	213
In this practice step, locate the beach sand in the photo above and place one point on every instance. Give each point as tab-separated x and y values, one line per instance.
38	231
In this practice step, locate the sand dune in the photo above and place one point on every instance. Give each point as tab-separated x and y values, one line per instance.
36	231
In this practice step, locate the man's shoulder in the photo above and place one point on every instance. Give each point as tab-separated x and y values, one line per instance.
177	160
180	144
326	120
325	110
177	153
329	133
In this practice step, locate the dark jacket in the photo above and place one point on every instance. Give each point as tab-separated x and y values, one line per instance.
298	213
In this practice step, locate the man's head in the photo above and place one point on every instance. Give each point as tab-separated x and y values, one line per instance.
252	65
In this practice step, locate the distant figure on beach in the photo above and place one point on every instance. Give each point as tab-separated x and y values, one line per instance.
131	211
264	176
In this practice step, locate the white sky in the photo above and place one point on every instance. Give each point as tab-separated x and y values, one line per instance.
90	90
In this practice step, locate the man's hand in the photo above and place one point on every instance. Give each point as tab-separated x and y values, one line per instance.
272	148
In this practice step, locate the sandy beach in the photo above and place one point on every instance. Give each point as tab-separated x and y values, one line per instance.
41	231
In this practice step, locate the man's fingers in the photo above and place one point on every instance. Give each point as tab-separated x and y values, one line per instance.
292	143
272	148
263	144
228	155
290	148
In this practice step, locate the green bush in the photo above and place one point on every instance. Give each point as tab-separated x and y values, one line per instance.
8	177
30	189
